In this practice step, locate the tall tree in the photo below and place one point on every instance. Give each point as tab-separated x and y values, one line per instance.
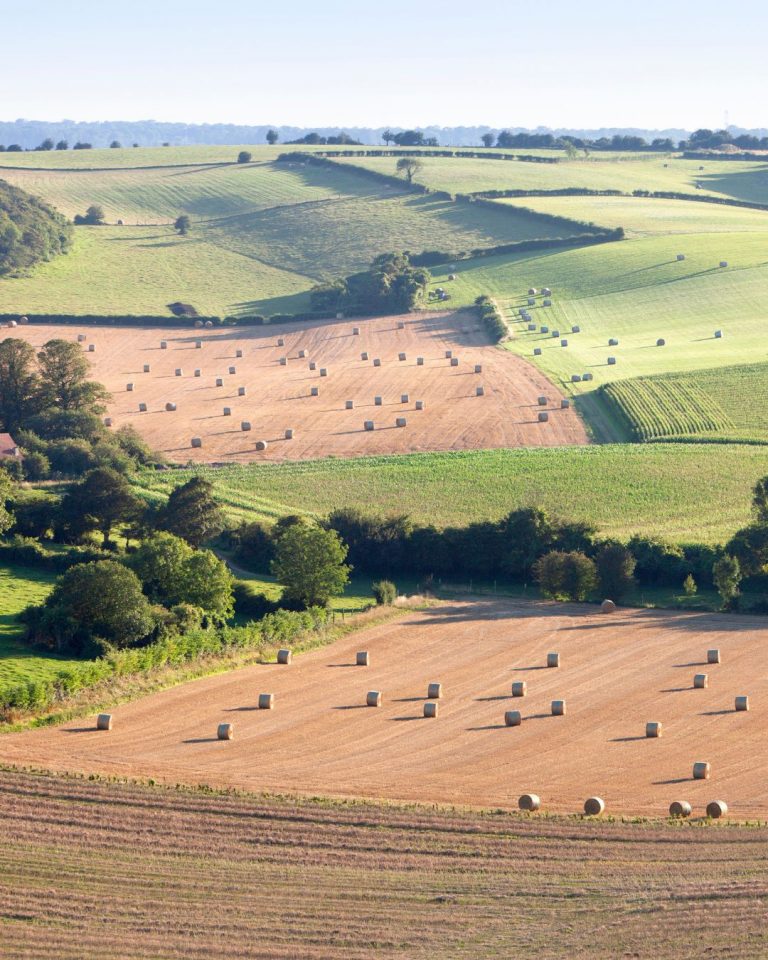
19	384
309	563
192	513
101	500
182	225
487	139
272	137
6	517
409	167
64	379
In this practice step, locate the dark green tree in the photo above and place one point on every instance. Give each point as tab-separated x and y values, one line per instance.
615	570
19	384
565	576
192	513
272	137
387	136
487	139
760	500
244	157
101	500
182	225
6	517
62	145
64	379
409	167
309	563
115	145
726	575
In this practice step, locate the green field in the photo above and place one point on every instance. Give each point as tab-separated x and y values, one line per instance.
20	587
726	403
678	491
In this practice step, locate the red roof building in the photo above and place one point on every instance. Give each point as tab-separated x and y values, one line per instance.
8	446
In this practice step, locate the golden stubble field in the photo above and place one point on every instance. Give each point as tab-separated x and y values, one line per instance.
617	673
278	397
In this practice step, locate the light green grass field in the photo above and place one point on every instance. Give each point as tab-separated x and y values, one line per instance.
679	491
20	587
724	403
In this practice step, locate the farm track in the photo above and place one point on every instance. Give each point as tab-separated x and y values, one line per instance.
92	869
278	397
617	673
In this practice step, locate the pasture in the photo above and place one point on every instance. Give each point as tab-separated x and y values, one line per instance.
617	672
19	588
386	880
279	397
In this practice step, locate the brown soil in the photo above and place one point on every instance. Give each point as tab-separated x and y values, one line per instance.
618	672
278	397
92	870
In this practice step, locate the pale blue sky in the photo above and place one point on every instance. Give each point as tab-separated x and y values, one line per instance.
654	64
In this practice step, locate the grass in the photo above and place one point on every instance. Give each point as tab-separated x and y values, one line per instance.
358	880
356	597
678	491
20	587
725	403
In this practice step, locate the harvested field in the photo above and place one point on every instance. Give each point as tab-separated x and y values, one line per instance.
616	674
236	877
278	397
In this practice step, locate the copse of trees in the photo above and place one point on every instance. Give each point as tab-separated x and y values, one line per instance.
315	139
31	231
392	284
93	216
309	563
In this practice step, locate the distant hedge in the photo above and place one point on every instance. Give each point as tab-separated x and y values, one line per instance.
137	320
489	313
417	152
431	258
25	552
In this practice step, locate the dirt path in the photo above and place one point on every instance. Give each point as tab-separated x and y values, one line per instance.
618	673
278	397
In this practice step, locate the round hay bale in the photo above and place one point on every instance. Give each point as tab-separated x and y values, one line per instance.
431	709
340	315
312	365
142	408
544	329
613	342
718	334
553	659
529	802
198	373
364	355
546	292
531	302
238	354
104	721
680	808
323	372
289	434
401	422
513	718
368	425
198	344
281	341
741	704
355	331
611	361
454	361
170	407
232	370
179	372
219	382
434	691
241	391
594	806
537	351
225	731
198	324
147	368
563	343
283	361
713	656
209	324
261	445
23	320
302	354
564	403
419	404
448	354
575	378
546	303
314	391
478	368
479	391
451	276
349	404
531	327
377	362
378	401
404	398
558	708
575	329
401	356
400	325
680	257
661	342
245	425
362	658
519	688
163	344
653	729
227	412
107	421
723	263
129	387
543	416
80	336
197	442
91	348
542	401
701	770
419	361
555	334
587	376
373	698
607	606
266	701
700	681
717	809
532	292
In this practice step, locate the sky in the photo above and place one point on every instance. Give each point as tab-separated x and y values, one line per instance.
556	63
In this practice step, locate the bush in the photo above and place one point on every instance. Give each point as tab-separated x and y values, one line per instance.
384	592
615	569
565	576
490	315
36	466
244	157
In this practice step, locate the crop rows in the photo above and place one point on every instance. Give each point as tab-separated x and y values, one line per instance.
665	407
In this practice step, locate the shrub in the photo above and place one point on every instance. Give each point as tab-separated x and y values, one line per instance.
615	569
565	576
244	157
689	586
384	592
